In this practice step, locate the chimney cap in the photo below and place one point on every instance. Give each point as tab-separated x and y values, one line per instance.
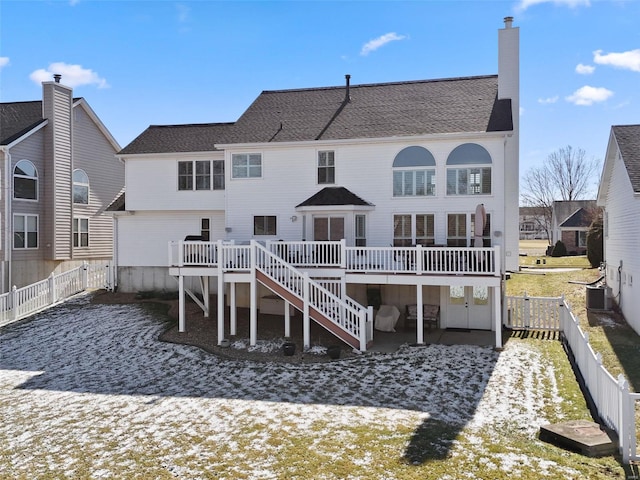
57	77
508	21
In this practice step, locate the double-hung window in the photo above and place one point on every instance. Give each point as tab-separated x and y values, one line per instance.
80	232
414	173
469	170
326	167
201	175
264	225
25	231
246	165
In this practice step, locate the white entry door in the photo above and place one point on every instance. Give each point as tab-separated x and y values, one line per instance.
469	307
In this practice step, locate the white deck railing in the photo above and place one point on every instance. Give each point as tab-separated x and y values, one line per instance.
417	260
22	302
615	403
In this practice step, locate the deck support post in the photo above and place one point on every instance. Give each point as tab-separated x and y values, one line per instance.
420	319
205	296
220	306
306	324
287	319
497	313
233	313
253	299
181	321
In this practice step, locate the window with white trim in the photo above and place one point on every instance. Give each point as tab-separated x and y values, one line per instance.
25	231
414	173
361	230
246	165
80	187
466	170
413	229
264	225
80	232
201	175
25	181
205	229
326	167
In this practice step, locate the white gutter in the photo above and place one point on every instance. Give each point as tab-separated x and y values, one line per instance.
356	141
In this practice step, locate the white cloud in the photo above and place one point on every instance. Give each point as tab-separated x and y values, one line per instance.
546	101
183	12
376	43
524	4
589	95
626	60
4	61
585	69
72	75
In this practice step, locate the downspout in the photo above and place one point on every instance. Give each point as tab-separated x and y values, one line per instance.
6	274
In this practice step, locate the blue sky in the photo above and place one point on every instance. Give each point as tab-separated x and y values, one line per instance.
139	63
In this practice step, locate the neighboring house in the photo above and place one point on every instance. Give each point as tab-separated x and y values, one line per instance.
397	180
570	222
533	223
60	173
619	196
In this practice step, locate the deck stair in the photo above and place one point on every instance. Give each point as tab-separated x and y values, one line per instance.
344	317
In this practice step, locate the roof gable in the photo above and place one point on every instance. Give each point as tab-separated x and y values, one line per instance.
628	140
579	219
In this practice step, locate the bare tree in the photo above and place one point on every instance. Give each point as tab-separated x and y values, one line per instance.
565	175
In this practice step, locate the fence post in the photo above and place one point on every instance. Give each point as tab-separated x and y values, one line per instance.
343	253
526	306
625	419
84	275
14	303
53	294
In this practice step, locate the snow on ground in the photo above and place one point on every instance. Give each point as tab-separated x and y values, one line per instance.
94	379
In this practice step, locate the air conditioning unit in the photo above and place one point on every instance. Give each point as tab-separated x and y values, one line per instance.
598	298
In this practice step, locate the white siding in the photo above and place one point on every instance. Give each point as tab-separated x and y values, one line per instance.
143	238
152	184
289	178
621	243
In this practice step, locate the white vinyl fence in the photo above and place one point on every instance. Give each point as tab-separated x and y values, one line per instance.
615	404
22	302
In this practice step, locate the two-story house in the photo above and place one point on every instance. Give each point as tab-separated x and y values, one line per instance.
619	196
59	174
320	195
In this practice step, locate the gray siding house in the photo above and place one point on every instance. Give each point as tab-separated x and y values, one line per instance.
59	174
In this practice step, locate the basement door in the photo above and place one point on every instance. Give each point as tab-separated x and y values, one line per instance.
469	307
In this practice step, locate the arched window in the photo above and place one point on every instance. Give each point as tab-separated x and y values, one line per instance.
25	181
80	187
465	179
414	173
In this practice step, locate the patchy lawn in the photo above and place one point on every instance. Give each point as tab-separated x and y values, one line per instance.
88	391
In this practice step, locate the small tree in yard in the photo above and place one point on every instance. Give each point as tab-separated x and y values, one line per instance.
564	176
595	243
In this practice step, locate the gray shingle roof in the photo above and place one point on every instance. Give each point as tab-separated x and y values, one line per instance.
628	139
376	110
178	138
453	105
17	118
579	219
333	196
